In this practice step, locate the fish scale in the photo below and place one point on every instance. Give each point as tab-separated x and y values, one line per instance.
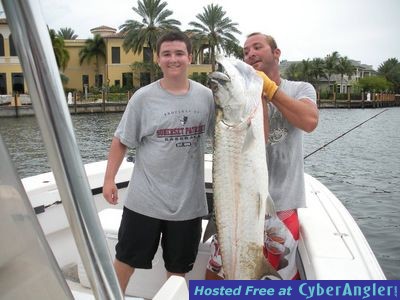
240	174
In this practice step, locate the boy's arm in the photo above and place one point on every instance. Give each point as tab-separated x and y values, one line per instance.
115	157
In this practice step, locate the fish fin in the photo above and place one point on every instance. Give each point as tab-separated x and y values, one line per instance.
211	229
261	208
248	139
270	272
270	277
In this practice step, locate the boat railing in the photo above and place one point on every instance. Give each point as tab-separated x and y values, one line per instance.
32	42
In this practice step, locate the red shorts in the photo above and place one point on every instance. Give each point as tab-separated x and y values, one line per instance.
280	245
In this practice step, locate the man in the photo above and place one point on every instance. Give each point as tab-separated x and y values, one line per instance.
290	109
167	122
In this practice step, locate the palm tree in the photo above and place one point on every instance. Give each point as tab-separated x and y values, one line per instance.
306	68
343	67
331	61
387	67
199	44
293	72
232	48
390	69
155	22
317	71
67	33
215	28
60	51
95	47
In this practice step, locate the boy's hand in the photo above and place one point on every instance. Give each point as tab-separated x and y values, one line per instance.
110	192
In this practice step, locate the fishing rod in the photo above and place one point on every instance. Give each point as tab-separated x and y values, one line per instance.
323	146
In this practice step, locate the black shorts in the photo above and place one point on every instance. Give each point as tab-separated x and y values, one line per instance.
139	237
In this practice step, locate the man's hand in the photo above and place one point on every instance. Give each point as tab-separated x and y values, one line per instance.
269	86
110	192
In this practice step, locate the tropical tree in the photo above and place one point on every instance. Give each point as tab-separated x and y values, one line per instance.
215	28
139	67
199	44
306	68
67	33
390	69
60	51
344	67
317	71
234	49
331	61
94	47
154	22
293	72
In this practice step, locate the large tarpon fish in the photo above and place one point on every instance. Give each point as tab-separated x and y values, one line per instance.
240	174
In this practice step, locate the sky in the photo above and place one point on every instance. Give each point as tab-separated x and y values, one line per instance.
364	30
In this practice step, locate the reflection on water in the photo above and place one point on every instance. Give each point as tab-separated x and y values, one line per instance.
361	168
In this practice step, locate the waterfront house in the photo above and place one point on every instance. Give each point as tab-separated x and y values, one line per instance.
115	70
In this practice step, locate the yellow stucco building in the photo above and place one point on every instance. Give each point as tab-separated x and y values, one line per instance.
114	70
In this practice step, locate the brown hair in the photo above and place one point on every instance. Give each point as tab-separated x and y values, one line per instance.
270	40
174	36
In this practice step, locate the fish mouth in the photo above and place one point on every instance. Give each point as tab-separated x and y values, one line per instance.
217	78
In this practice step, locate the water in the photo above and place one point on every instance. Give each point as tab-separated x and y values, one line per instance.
22	136
362	168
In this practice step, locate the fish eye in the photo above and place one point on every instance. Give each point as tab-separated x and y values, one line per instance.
212	85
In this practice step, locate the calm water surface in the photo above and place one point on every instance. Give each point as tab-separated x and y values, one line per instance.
362	168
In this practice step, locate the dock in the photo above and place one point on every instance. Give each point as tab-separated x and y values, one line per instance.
377	101
24	108
21	105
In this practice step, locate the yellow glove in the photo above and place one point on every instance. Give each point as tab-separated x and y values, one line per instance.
269	86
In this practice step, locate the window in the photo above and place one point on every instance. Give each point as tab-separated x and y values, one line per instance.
98	80
127	80
117	82
18	83
3	84
12	48
85	81
144	79
1	45
147	54
115	55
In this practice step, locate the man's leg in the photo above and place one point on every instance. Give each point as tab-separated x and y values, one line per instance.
281	240
214	269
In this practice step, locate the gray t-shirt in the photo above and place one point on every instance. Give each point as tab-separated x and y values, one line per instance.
285	151
169	133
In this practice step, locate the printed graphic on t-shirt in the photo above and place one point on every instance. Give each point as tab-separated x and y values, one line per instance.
183	134
278	132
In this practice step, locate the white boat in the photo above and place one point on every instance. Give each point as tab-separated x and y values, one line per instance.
331	245
68	244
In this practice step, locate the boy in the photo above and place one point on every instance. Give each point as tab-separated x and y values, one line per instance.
167	122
